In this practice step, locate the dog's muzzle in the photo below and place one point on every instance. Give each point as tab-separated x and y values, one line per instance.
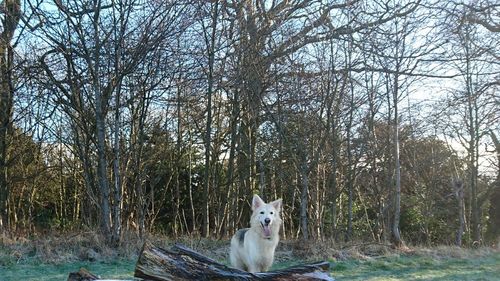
266	227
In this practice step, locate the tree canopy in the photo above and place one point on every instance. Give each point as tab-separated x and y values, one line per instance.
373	120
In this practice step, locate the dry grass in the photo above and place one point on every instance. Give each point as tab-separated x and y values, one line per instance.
62	248
328	250
59	248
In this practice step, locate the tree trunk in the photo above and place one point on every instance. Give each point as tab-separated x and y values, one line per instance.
210	41
473	177
190	183
494	209
234	188
117	188
397	195
117	206
397	165
304	199
100	114
458	187
251	75
181	263
12	10
473	134
102	173
178	168
350	166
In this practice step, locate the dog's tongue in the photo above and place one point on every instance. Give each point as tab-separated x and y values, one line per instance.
267	230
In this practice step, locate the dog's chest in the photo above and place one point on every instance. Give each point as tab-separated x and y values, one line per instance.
264	248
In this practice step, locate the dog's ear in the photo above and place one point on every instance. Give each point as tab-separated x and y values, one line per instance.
257	202
277	204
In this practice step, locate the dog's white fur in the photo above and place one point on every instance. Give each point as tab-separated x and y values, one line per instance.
252	249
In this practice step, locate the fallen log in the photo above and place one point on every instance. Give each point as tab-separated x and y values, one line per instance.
182	263
85	275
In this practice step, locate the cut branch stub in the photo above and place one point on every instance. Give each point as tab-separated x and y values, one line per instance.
82	275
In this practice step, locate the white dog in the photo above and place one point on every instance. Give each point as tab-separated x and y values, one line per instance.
252	249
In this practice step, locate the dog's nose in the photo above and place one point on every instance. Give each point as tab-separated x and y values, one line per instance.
267	220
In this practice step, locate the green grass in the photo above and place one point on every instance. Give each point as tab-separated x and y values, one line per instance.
375	269
120	269
415	268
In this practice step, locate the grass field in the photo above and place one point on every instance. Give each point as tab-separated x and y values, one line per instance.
414	268
404	267
120	269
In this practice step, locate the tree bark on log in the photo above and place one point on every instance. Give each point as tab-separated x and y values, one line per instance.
182	263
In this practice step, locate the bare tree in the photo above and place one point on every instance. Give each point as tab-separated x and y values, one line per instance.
472	105
398	56
483	13
92	40
271	32
210	39
168	114
11	10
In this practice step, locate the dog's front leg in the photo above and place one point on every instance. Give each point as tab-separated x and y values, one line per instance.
264	268
252	268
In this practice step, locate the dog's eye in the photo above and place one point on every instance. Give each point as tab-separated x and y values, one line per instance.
272	213
262	212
